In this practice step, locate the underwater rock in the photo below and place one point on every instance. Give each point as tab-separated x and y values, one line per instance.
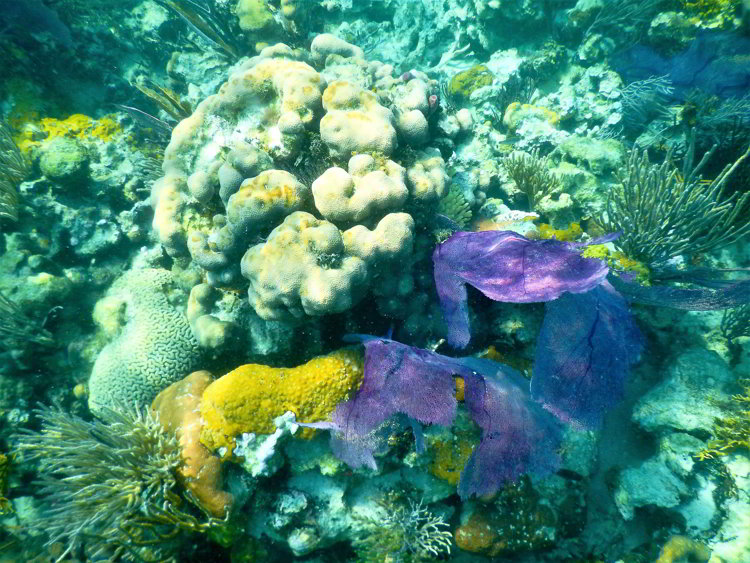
663	480
686	399
63	160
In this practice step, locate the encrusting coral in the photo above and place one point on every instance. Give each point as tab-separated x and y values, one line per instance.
248	398
177	409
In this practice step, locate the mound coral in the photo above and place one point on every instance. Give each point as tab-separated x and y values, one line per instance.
248	398
308	267
151	343
239	170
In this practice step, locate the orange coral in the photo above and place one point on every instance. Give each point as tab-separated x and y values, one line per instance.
177	408
681	547
250	397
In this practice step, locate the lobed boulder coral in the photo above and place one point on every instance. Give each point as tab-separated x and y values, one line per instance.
307	267
279	139
355	121
151	342
270	101
363	193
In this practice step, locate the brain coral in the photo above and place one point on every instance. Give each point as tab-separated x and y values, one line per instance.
250	397
152	343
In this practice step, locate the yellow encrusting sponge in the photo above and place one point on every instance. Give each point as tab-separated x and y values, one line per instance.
248	398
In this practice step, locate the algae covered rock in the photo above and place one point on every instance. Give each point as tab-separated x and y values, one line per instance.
63	160
465	82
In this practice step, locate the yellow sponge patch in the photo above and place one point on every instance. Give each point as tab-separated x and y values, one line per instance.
250	397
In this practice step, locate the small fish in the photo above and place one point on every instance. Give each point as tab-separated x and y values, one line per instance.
147	118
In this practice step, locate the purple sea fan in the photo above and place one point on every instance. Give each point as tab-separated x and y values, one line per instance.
518	436
586	346
506	266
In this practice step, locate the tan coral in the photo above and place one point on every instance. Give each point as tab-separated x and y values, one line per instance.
426	178
355	121
363	194
326	44
177	408
264	200
270	100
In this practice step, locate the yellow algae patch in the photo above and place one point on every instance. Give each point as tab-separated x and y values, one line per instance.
572	233
76	126
450	456
250	397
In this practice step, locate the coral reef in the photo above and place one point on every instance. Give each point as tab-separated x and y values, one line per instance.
240	185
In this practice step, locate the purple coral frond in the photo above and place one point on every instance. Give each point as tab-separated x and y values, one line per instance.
506	266
518	436
583	354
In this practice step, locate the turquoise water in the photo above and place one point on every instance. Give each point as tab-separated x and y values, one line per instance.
374	281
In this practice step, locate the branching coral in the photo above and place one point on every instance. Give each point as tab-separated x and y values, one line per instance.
13	169
531	175
663	212
408	533
733	431
110	485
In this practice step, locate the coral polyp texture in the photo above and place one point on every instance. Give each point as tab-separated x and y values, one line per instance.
238	172
151	344
247	399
